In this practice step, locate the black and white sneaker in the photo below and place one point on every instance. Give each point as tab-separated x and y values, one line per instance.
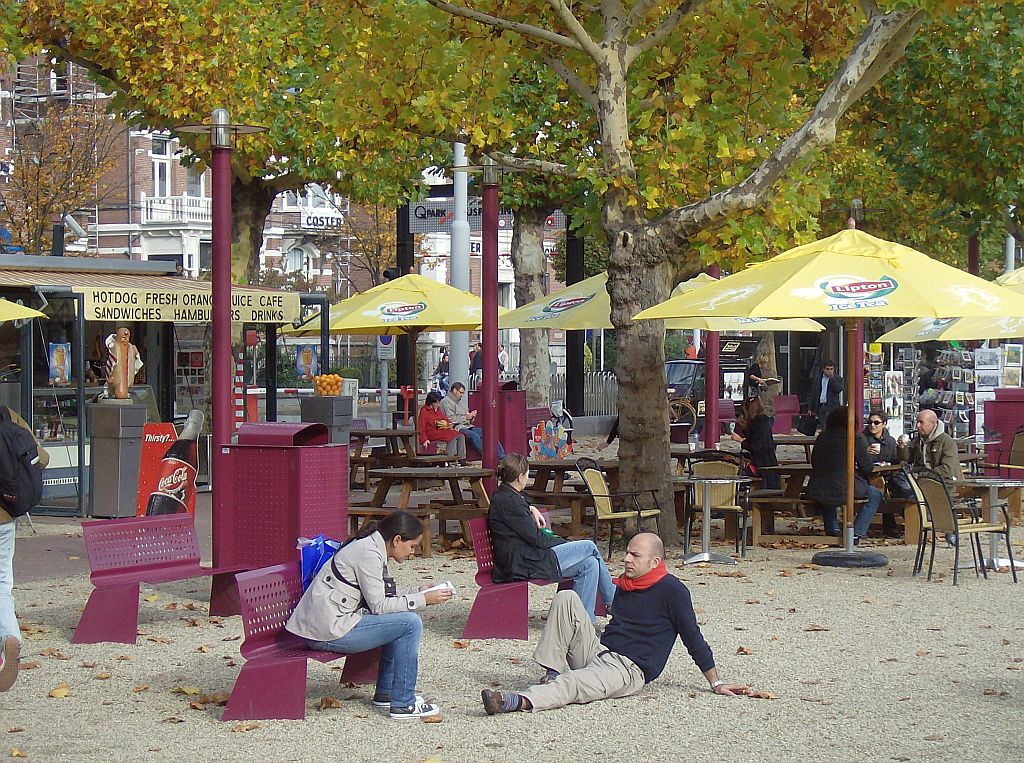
381	701
417	710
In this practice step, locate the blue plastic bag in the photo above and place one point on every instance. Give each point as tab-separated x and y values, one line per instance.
314	553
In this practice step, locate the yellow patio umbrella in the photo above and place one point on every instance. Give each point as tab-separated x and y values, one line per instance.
586	305
962	329
849	275
407	305
12	311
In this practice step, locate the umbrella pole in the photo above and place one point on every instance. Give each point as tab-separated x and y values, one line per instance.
847	556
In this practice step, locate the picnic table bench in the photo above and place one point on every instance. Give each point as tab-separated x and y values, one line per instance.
123	553
272	682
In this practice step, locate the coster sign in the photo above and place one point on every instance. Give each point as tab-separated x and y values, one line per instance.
322	219
851	292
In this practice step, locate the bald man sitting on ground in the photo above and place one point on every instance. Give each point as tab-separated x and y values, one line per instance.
933	448
650	609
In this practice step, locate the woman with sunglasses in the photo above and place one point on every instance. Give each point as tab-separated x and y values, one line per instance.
881	444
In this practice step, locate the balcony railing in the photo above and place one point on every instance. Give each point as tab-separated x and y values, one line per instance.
176	209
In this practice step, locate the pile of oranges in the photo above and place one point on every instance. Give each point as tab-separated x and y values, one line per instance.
327	385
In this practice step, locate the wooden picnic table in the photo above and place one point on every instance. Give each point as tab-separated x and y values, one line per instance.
408	477
400	447
807	441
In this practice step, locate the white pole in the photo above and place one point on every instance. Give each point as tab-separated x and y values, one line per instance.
602	349
1011	253
458	272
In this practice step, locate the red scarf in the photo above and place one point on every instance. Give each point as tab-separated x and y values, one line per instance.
643	582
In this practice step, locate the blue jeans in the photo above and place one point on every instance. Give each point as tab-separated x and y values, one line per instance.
8	622
864	514
398	636
580	560
475	437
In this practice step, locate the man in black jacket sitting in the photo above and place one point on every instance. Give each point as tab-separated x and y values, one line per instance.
650	610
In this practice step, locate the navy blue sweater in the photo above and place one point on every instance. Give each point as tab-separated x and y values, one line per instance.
645	624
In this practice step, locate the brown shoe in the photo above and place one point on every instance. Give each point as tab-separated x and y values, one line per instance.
9	662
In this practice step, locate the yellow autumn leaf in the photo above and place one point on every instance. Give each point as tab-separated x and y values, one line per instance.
188	691
60	691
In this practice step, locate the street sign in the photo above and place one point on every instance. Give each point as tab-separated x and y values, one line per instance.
385	347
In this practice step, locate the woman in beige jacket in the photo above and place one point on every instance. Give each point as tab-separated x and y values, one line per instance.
353	605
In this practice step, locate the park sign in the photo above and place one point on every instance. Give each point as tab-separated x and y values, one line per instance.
436	216
186	305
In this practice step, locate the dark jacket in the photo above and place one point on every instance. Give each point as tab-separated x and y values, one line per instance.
832	393
827	484
521	550
759	443
888	443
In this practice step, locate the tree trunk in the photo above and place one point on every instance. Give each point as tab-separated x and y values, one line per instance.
767	346
251	202
529	262
639	276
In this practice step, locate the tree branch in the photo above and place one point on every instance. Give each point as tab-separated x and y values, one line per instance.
527	30
586	42
881	45
870	8
663	30
573	80
532	165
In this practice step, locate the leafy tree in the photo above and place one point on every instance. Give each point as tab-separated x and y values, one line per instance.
61	166
701	112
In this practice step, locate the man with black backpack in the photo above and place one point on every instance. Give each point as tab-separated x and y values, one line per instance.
21	463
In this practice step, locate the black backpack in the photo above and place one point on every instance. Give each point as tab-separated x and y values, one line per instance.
21	477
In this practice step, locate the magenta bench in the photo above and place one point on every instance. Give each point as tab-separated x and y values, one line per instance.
501	610
272	682
123	553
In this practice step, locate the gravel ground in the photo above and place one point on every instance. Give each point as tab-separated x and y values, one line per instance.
862	665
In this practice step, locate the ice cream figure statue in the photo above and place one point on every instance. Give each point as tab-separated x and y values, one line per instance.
307	361
123	362
60	364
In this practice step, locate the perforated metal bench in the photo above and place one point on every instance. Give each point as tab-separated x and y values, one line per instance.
501	610
123	553
272	682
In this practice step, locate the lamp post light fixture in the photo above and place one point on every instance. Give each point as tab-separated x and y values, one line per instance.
489	326
222	133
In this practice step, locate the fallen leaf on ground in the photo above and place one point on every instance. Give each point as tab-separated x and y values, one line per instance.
151	597
460	644
172	606
746	650
753	601
763	695
242	727
434	719
60	691
205	649
329	703
808	566
28	665
785	573
193	622
934	738
140	687
160	640
231	638
89	665
217	698
102	676
921	653
126	658
51	652
516	660
17	752
173	719
189	691
995	693
814	627
15	730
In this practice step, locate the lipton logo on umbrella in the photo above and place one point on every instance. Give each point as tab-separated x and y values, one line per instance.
848	287
566	303
401	309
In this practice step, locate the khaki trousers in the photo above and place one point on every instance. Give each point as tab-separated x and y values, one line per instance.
588	671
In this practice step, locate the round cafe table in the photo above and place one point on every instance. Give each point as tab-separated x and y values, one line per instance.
706	554
993	485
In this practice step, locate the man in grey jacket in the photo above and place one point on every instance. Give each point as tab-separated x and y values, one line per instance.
456	408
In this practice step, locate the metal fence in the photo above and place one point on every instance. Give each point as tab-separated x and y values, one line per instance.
600	391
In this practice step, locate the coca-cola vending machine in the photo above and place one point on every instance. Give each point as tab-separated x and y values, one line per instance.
168	485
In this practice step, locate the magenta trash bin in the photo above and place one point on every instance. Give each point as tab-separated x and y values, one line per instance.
280	482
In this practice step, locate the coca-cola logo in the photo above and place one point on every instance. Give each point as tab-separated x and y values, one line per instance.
174	482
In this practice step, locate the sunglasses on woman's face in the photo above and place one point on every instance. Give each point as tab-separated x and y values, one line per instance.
876	423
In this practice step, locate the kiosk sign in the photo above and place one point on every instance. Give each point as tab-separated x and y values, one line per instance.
187	306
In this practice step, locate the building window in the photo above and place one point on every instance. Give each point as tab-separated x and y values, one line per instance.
161	153
295	261
205	255
195	181
291	200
